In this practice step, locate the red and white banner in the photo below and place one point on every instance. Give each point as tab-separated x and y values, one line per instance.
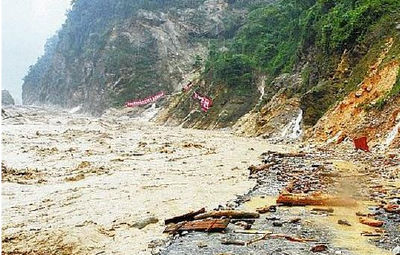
146	100
205	102
187	87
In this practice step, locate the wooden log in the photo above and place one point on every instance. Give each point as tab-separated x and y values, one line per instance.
205	225
371	222
249	221
228	214
252	232
313	199
267	208
173	228
292	238
370	234
327	210
185	217
233	242
215	225
287	237
294	220
392	208
289	154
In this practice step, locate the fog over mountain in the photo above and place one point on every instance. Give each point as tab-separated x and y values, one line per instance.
26	25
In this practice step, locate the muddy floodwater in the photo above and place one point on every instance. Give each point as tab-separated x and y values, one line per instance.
78	184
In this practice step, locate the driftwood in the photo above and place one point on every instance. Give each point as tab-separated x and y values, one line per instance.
371	222
314	199
173	228
267	208
252	232
292	238
327	210
185	217
228	214
294	220
288	154
215	225
249	221
255	169
287	237
370	234
234	242
392	208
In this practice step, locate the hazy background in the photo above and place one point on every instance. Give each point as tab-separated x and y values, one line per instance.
26	24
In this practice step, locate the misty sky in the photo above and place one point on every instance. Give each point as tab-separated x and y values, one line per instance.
25	26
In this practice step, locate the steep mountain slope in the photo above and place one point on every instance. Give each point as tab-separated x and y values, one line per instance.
295	60
6	98
110	51
318	69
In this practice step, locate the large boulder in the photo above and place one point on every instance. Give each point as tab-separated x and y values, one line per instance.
6	98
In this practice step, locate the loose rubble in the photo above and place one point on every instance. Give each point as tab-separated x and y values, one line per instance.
298	193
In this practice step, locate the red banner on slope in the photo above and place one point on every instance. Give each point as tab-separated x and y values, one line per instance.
205	102
187	87
146	100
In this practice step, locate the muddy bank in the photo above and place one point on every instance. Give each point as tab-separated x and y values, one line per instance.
79	185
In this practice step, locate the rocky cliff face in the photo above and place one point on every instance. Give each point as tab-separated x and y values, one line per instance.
321	70
6	98
139	50
338	79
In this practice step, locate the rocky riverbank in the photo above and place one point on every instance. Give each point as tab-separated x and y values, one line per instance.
367	184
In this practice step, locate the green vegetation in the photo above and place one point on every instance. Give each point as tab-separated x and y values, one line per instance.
279	37
302	37
396	88
276	36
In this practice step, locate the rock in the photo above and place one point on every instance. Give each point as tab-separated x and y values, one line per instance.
396	250
277	223
134	222
201	245
6	98
76	178
319	248
243	224
344	222
143	222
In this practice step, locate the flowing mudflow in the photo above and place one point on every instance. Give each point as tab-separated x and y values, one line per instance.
86	185
73	184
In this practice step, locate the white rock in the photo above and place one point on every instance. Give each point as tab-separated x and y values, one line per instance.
396	250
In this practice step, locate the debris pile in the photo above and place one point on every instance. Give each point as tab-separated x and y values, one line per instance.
293	201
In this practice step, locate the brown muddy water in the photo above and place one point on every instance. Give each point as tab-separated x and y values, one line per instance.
82	185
